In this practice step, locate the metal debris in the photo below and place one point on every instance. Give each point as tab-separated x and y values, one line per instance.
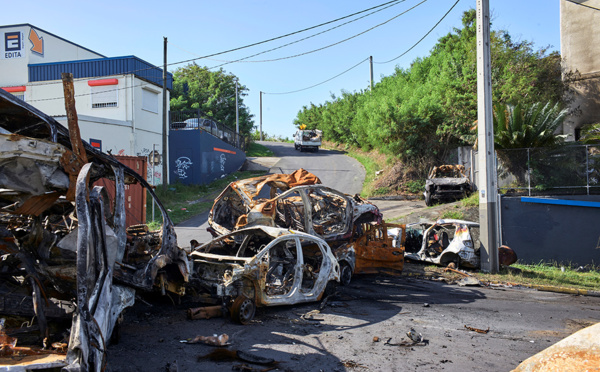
484	331
214	340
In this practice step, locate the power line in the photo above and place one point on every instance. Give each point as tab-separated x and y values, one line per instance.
323	82
421	39
297	41
330	45
286	35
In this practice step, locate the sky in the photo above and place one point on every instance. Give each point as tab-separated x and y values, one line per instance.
199	28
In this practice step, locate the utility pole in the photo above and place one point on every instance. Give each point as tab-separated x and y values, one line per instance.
237	115
165	120
371	69
261	134
488	189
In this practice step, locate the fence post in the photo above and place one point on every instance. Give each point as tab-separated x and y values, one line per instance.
528	172
587	168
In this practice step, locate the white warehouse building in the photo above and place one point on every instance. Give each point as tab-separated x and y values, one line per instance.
118	100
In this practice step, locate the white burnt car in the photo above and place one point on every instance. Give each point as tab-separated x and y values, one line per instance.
263	266
292	201
443	242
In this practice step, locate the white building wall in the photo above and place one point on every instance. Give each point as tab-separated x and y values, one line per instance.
13	63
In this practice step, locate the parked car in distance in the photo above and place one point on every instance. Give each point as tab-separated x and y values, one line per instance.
263	266
207	125
305	139
447	182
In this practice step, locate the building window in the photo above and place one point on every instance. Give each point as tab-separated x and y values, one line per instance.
149	101
105	96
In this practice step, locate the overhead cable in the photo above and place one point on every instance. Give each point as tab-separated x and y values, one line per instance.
286	35
323	82
421	39
327	46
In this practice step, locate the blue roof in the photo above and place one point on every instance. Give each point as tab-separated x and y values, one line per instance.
100	67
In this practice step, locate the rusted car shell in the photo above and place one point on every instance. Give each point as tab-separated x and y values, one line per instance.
461	248
373	251
229	275
447	182
294	201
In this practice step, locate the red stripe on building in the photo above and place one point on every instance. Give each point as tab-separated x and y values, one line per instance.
15	89
97	83
223	150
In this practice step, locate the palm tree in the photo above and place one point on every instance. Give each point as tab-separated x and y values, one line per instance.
523	126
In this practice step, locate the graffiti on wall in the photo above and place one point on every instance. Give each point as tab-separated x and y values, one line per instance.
182	164
222	160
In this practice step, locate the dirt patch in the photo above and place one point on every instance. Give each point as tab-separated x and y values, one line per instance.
398	180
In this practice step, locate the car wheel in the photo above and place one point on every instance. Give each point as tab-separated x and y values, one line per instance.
428	198
345	274
450	259
301	148
242	310
316	149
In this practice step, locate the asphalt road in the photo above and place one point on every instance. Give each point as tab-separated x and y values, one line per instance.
335	170
362	327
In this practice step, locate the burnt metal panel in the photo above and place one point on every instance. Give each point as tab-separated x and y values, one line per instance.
196	157
552	232
91	68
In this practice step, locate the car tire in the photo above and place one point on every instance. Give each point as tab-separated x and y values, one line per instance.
428	199
301	148
243	310
345	274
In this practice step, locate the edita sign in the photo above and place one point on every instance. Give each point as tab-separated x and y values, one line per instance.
13	45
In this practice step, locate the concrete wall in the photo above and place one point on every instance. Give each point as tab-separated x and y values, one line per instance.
548	232
196	157
580	49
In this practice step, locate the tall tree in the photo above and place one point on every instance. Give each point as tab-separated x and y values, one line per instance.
213	93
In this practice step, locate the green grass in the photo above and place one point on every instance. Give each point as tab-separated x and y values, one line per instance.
185	201
471	201
258	150
547	274
455	214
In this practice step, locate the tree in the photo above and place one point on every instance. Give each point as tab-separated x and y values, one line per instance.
524	126
211	92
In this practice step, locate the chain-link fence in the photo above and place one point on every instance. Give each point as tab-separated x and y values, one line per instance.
197	120
571	170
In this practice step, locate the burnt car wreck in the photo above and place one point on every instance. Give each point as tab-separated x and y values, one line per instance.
446	183
67	257
263	266
295	201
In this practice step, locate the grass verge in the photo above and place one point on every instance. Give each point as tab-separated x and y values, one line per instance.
184	201
542	274
258	150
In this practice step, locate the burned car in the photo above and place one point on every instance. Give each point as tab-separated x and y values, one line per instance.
296	201
67	257
373	250
447	182
443	242
263	266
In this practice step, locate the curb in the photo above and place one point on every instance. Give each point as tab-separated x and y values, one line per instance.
539	287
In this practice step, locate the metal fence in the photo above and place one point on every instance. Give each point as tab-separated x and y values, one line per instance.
567	170
197	120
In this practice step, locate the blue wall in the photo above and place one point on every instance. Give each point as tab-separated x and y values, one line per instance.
196	157
563	229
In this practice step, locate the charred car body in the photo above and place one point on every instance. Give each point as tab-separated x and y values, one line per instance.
447	182
65	249
295	201
443	242
263	266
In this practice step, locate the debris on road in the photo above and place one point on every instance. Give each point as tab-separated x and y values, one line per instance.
484	331
214	340
205	312
228	355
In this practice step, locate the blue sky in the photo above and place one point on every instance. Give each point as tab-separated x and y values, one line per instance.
198	28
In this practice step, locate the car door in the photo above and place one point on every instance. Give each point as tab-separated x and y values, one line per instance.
375	251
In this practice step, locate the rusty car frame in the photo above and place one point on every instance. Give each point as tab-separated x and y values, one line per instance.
65	251
295	201
443	242
263	266
447	182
